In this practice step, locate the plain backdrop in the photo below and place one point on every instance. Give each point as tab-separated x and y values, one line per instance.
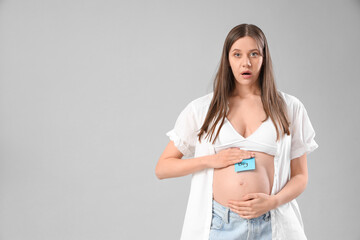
88	90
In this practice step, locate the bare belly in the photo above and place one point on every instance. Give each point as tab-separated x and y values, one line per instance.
231	185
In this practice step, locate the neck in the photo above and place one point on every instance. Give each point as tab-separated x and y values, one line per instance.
246	91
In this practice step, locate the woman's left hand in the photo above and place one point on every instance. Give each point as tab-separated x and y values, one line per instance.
253	205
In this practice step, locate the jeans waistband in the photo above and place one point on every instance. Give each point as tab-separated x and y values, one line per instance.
225	213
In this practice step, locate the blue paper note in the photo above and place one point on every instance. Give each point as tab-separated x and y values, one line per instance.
245	165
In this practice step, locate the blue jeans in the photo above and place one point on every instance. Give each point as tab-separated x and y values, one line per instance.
228	225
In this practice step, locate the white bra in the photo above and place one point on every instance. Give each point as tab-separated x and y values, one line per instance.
262	140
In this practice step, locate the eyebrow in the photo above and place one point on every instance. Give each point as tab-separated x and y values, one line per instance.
249	50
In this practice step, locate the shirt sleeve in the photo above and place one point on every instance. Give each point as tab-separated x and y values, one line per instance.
303	133
184	133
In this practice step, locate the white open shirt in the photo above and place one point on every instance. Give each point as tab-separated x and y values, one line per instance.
286	222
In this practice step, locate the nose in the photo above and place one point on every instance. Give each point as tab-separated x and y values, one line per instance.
246	62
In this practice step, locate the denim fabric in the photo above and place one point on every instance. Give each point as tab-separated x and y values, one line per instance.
228	225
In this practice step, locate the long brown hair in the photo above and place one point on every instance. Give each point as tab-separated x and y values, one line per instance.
224	85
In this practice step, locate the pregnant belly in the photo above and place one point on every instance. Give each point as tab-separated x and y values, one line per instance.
231	185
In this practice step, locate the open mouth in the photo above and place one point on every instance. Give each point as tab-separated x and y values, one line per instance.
246	73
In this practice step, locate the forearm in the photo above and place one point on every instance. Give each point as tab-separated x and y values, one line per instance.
175	167
291	190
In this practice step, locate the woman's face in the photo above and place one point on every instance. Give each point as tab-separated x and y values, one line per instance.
245	56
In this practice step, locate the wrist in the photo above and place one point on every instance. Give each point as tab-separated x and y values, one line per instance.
204	161
275	202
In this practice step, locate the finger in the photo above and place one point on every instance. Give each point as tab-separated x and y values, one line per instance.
246	216
232	206
249	196
236	205
235	202
236	161
235	158
252	154
248	153
245	155
240	212
239	155
240	203
243	214
250	215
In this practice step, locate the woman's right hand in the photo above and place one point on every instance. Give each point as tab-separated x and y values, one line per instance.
229	156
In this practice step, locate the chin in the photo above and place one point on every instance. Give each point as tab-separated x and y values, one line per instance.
245	81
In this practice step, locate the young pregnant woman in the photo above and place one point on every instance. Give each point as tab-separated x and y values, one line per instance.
246	144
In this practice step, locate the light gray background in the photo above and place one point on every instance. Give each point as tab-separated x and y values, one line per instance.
88	90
